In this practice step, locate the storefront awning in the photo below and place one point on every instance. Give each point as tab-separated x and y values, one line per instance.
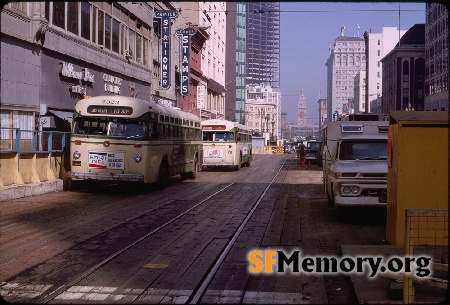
65	115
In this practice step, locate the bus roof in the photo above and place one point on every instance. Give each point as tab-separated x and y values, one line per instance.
228	124
139	106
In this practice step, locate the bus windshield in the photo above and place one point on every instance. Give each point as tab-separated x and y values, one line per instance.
111	127
218	136
363	150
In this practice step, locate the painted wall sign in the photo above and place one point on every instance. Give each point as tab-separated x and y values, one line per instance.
165	30
184	58
163	102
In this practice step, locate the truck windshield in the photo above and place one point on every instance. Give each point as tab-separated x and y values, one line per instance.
313	145
218	136
110	127
363	150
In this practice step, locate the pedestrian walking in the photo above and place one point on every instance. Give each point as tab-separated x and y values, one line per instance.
301	151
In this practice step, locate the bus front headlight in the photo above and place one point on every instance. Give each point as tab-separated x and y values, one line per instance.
137	157
76	154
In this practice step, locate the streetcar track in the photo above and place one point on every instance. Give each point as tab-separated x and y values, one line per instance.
61	289
198	293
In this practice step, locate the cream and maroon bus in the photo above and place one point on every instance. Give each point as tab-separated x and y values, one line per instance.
226	143
118	138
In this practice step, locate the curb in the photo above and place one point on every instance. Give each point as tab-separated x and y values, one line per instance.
15	191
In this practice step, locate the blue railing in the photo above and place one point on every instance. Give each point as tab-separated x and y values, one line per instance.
16	140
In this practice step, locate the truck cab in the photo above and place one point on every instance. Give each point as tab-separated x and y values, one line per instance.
354	168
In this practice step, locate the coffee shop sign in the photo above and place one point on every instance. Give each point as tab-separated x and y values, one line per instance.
68	70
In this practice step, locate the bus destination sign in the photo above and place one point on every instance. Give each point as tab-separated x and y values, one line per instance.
112	110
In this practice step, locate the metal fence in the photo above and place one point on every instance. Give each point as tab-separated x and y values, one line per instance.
427	235
15	140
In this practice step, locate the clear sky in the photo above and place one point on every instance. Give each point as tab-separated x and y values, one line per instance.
308	29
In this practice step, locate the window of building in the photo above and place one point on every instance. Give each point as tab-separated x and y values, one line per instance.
115	35
101	28
131	44
72	17
85	20
108	31
59	13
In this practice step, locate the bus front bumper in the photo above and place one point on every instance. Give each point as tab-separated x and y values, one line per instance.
106	177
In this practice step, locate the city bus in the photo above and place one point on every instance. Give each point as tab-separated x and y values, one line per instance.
226	143
118	138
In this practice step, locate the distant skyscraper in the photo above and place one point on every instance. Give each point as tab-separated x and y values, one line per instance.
301	109
235	52
263	44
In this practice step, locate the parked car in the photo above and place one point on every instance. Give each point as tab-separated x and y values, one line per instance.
312	151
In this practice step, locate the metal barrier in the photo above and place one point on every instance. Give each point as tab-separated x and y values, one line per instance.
23	155
426	234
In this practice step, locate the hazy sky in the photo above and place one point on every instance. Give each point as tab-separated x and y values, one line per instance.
309	28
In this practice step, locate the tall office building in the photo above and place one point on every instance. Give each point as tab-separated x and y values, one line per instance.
436	57
347	59
235	52
263	44
301	117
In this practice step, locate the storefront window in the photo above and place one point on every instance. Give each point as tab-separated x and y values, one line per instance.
72	17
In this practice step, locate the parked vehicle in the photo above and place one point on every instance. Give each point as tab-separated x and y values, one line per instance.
312	149
355	164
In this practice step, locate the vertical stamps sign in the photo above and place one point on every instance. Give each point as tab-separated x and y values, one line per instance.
184	51
165	30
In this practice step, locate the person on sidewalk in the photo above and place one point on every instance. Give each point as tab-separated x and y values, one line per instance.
301	151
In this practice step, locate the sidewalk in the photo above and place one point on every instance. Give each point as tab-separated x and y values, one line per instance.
25	190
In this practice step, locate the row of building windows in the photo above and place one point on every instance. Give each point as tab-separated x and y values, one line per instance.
108	26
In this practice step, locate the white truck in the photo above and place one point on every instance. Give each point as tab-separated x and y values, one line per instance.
355	164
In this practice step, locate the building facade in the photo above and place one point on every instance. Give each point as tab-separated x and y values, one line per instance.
322	112
263	44
436	57
263	111
59	52
301	109
235	52
347	58
213	56
378	45
404	73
